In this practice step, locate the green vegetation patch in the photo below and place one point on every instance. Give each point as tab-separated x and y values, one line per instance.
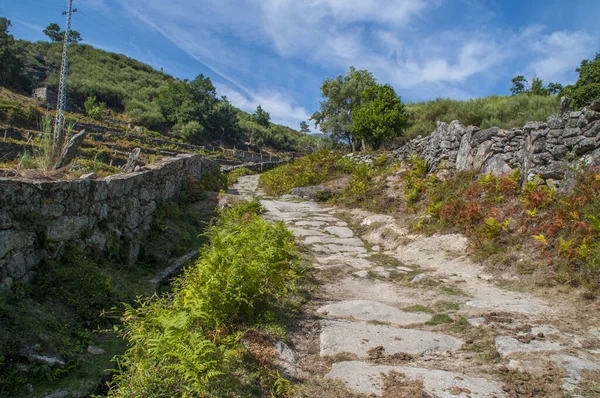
504	112
188	343
439	319
418	308
55	316
234	175
310	170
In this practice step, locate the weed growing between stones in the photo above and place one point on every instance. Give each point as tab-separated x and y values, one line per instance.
418	308
439	319
188	343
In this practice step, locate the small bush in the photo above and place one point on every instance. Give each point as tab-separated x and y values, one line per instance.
93	109
234	175
309	170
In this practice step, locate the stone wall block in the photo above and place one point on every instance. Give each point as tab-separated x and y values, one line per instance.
572	141
67	228
6	221
571	132
542	158
559	152
495	165
482	155
539	146
483	135
584	146
11	240
556	123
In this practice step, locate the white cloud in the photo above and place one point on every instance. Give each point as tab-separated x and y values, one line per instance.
559	53
254	42
280	106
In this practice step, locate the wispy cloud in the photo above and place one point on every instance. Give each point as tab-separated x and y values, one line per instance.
33	27
282	108
253	45
558	53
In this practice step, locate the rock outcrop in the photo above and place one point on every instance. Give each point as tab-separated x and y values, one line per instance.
538	148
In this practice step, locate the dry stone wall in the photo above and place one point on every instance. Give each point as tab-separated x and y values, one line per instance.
538	148
110	216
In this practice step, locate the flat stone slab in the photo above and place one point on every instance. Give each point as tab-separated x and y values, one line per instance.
574	366
333	240
332	249
377	218
367	310
366	378
361	274
521	304
340	232
506	345
345	259
358	338
314	224
302	232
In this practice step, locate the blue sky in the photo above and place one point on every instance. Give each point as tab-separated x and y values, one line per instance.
277	52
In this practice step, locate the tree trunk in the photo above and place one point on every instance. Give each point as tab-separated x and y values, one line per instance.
362	142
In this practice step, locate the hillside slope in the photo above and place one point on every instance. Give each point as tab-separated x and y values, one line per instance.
137	93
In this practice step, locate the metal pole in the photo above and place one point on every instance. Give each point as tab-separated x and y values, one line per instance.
62	87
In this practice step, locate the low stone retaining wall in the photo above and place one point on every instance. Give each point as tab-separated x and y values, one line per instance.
110	216
538	148
256	167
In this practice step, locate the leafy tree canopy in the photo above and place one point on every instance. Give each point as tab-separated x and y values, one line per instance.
537	86
261	117
380	116
587	87
518	85
304	127
56	35
341	95
11	58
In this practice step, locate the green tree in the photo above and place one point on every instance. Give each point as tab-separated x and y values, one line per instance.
11	58
304	127
341	95
184	101
261	117
518	85
587	87
537	87
380	116
553	88
224	120
56	35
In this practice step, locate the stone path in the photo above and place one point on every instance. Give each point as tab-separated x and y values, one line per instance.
389	301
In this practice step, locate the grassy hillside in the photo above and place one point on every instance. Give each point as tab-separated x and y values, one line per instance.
502	111
116	86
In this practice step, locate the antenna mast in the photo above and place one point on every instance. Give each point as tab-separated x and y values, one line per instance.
62	88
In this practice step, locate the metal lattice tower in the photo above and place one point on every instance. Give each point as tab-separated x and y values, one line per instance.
59	122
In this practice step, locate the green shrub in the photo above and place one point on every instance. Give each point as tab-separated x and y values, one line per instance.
234	175
93	109
183	344
309	170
